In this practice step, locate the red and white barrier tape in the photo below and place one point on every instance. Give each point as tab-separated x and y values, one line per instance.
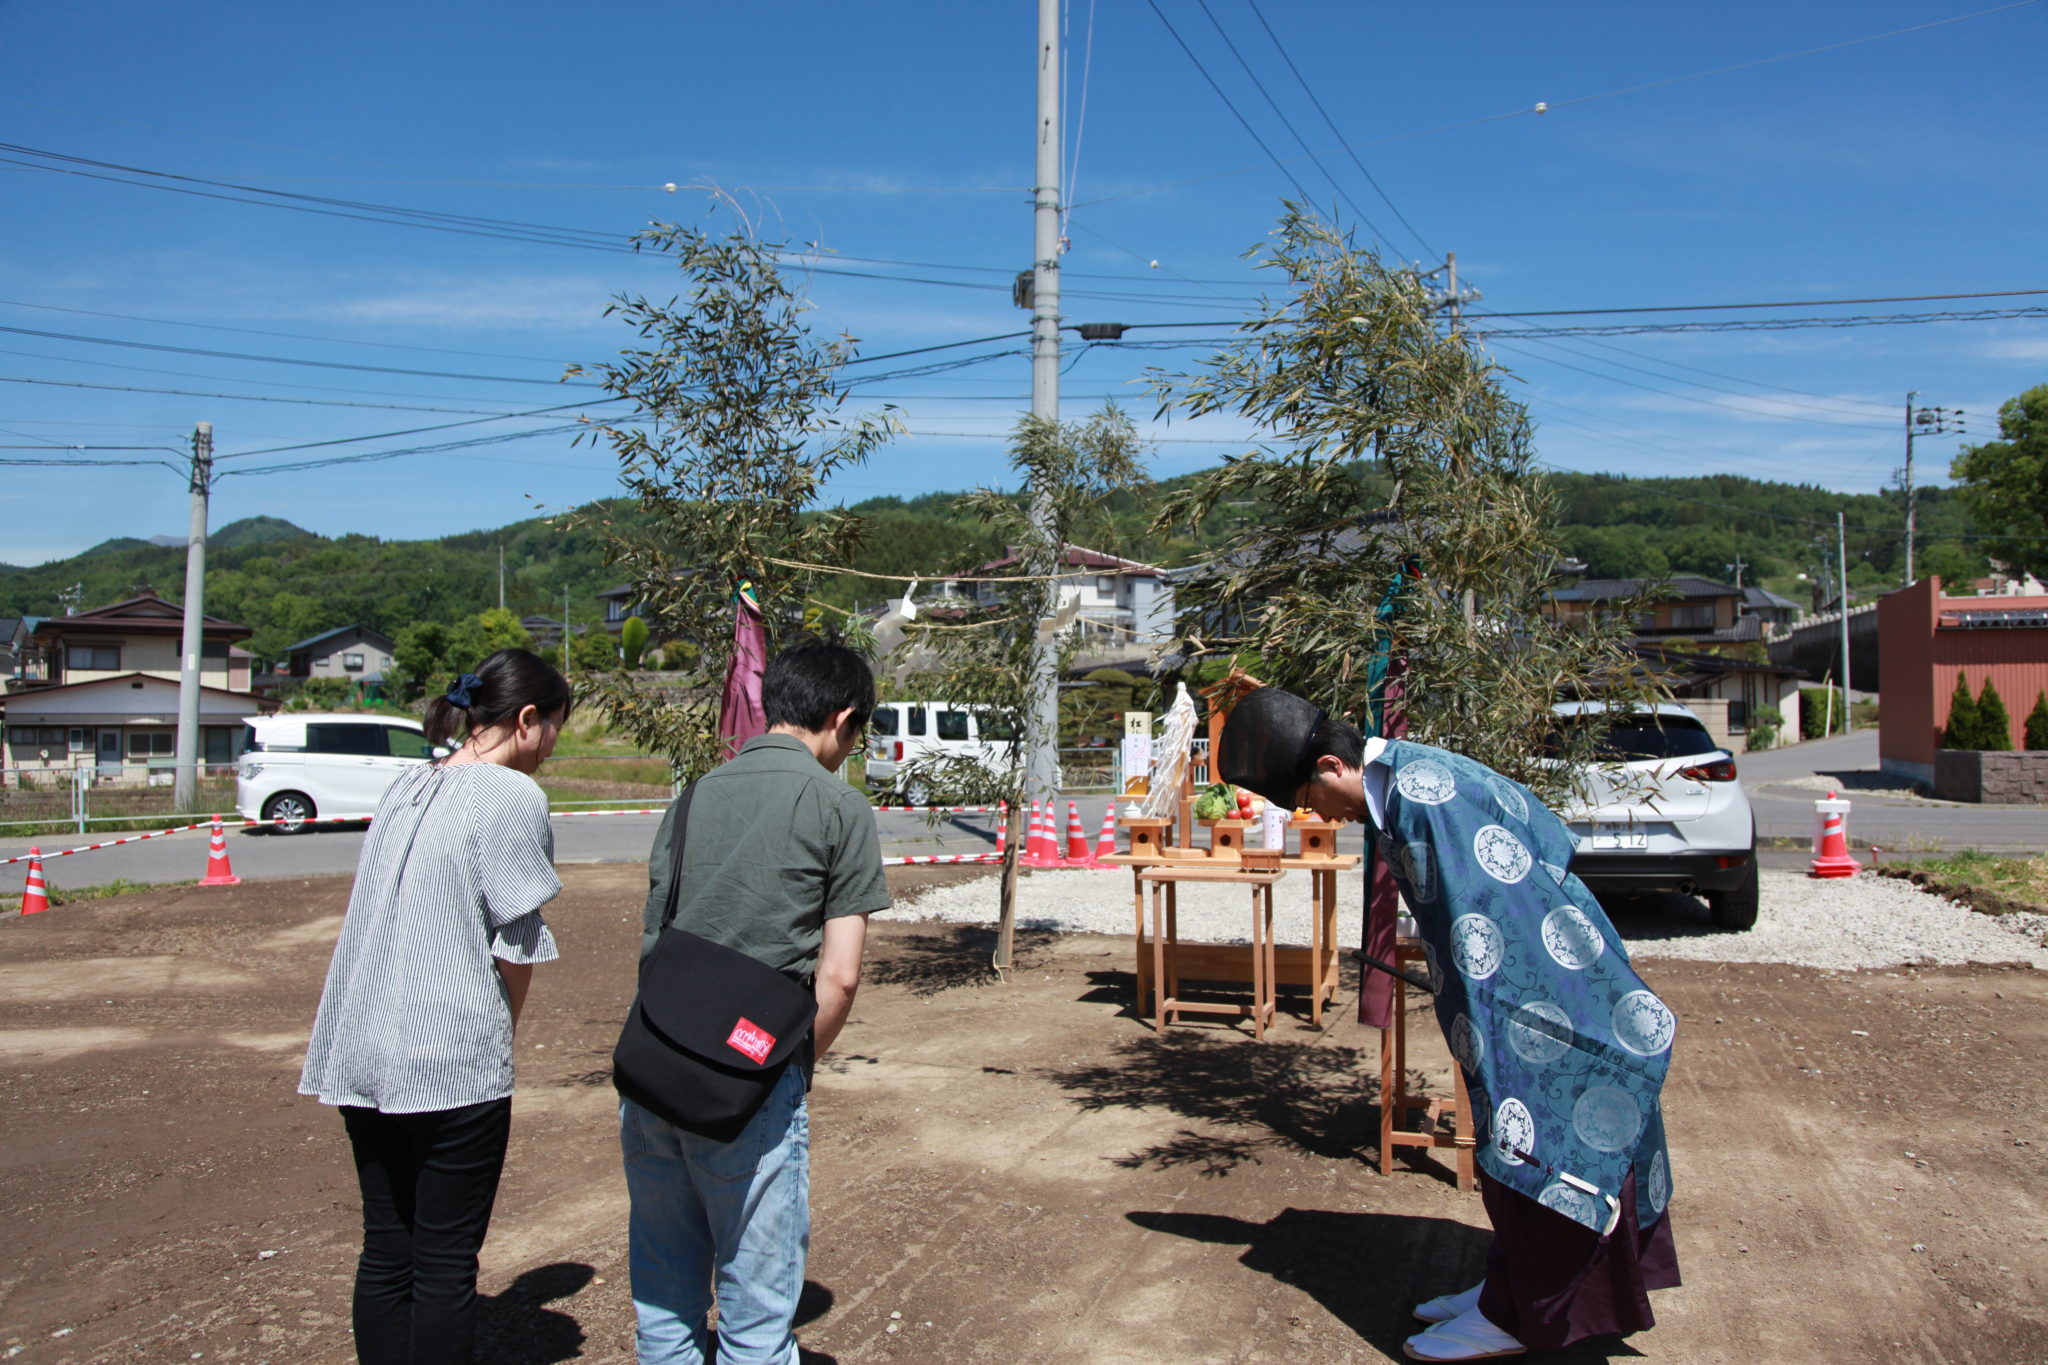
922	859
958	810
556	815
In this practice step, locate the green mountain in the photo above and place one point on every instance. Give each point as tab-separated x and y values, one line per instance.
288	583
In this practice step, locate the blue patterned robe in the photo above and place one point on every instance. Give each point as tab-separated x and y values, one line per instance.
1564	1049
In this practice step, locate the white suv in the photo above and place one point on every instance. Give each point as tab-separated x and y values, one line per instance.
1664	811
300	767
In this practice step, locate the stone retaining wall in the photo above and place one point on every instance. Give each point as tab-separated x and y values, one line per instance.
2011	779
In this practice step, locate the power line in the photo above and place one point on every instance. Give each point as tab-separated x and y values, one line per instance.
1301	80
1781	303
1543	107
373	456
1638	369
1288	124
285	360
1243	122
262	332
228	397
410	431
1765	324
1690	398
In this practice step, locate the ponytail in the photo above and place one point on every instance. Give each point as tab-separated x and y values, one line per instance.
503	685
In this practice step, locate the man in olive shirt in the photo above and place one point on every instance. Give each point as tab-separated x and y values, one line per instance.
781	861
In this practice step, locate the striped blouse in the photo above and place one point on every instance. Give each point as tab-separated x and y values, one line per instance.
414	1016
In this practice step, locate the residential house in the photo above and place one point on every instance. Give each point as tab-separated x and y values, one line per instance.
13	636
1931	638
1770	608
354	652
141	635
1726	692
619	606
125	727
1690	608
1117	603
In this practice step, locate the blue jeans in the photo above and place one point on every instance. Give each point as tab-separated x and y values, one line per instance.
735	1213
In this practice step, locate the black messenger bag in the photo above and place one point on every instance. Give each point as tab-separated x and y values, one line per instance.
711	1030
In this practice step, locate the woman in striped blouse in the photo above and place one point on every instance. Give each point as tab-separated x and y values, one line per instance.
413	1039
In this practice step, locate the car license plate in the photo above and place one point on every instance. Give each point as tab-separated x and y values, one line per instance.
1607	835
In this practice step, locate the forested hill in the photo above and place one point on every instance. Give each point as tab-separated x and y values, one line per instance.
288	583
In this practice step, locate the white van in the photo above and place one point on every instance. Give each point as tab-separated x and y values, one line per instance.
297	768
901	731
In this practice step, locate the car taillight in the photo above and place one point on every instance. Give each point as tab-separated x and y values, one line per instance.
1721	770
899	751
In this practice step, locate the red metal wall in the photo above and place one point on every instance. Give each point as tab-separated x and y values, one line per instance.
1921	660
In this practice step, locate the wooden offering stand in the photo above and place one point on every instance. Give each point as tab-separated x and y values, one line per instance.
1315	966
1444	1122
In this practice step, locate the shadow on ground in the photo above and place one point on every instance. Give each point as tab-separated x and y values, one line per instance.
1655	916
951	956
1299	1097
518	1328
1368	1270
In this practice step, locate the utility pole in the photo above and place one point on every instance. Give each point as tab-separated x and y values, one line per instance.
1042	720
501	575
565	631
1842	567
185	772
1922	422
1451	265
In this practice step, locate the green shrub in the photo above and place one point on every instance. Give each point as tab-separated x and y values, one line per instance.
322	694
1962	728
1764	724
633	641
1994	723
2037	722
1817	717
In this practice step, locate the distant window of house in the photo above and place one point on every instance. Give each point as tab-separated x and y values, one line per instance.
152	744
1106	587
213	649
352	663
220	744
1738	715
101	658
21	734
1692	616
81	740
1646	620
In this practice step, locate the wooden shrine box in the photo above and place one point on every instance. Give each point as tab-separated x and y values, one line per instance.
1259	860
1227	837
1147	834
1318	840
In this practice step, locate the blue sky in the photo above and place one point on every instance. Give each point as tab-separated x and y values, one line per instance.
1907	165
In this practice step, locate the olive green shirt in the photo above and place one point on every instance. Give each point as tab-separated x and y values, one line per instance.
776	846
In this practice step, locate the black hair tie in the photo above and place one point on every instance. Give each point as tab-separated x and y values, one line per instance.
462	693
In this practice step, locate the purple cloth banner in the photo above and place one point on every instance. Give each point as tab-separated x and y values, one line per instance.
1382	897
740	717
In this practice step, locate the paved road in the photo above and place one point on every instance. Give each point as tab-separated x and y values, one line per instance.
1784	809
333	851
1781	791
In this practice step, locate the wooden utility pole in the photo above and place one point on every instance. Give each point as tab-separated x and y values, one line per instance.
192	644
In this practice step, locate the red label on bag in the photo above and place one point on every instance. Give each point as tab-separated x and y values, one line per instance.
751	1040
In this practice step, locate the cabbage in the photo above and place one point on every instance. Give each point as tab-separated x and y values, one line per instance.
1216	803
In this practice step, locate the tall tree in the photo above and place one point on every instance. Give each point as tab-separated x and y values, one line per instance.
2004	483
737	422
1454	572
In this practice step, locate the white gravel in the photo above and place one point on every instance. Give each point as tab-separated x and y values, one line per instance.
1862	921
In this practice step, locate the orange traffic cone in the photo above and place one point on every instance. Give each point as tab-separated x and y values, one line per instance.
1040	850
1078	852
35	897
1831	840
1002	826
1105	845
219	871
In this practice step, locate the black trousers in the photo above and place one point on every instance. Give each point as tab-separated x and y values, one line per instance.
428	1183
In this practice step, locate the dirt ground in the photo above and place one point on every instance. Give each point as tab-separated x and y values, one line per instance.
1002	1172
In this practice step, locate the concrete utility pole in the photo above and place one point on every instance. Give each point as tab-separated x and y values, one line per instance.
1842	568
185	773
1451	265
1042	723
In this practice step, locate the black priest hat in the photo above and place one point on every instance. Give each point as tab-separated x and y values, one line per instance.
1266	741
